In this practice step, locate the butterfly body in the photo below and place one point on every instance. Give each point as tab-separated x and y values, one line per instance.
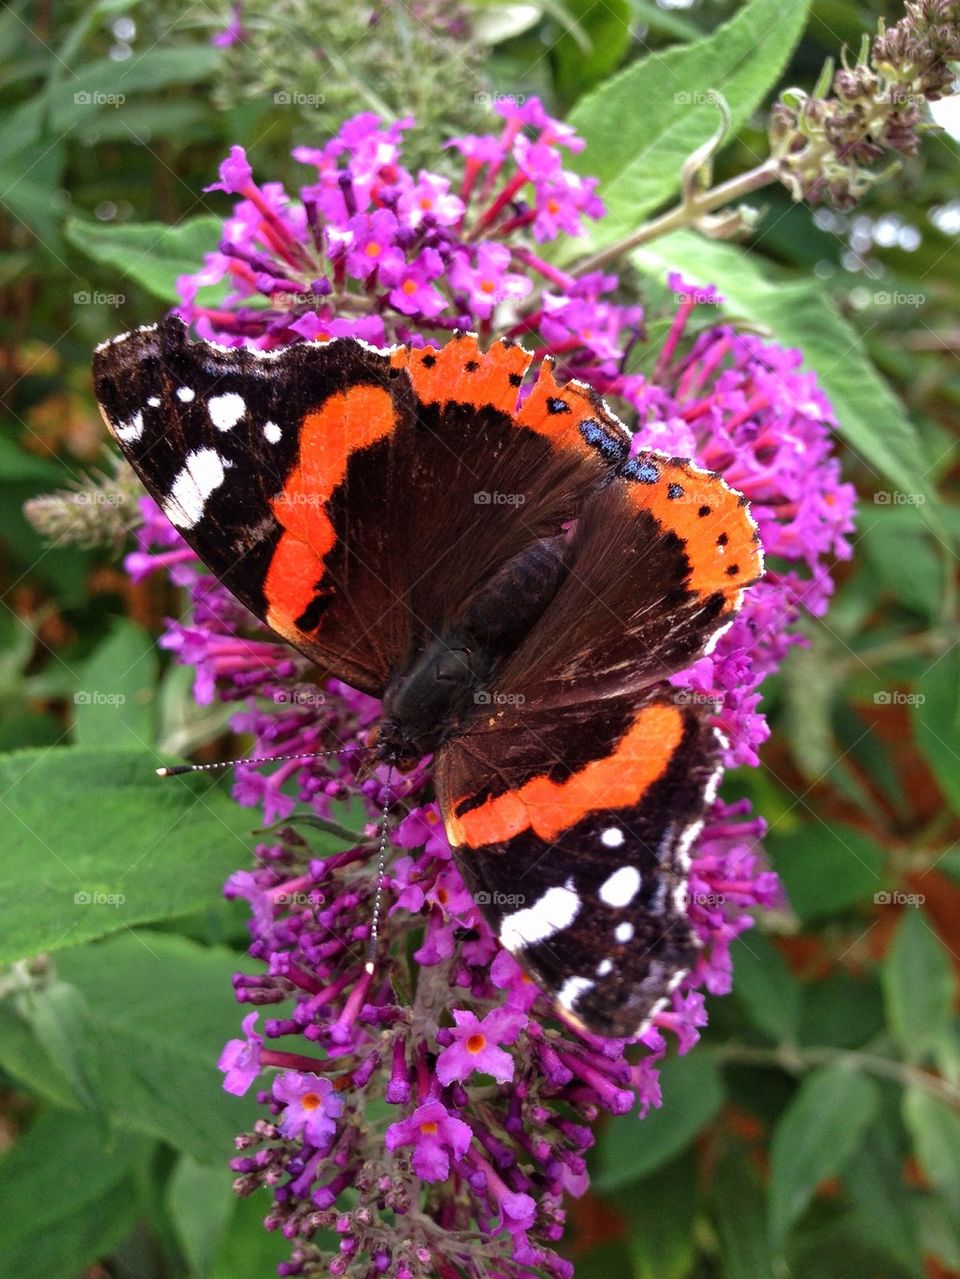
497	562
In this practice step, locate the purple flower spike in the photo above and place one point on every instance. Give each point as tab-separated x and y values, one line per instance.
490	1096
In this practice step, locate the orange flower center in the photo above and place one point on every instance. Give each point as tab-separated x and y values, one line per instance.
426	203
429	1129
476	1043
310	1100
487	286
553	206
409	286
372	250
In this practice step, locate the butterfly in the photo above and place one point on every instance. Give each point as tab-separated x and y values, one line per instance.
481	547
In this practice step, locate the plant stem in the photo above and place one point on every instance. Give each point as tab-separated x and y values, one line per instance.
684	214
795	1060
918	645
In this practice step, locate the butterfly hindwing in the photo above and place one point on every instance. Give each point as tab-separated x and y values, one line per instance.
578	851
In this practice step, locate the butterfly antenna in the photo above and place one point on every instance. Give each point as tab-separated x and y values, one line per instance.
179	769
381	874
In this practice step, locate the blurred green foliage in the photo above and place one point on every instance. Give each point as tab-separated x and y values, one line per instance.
816	1131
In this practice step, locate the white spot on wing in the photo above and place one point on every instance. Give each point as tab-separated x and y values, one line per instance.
623	932
556	909
612	837
202	473
604	967
571	990
226	410
271	432
186	394
153	402
621	887
130	431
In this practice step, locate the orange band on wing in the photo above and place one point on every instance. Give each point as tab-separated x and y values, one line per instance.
720	538
558	412
460	371
546	807
346	421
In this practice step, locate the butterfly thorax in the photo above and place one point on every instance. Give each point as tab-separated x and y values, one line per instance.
451	679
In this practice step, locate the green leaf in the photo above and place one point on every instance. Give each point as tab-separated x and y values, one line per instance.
151	253
95	843
822	1128
826	868
662	1209
641	125
875	1183
106	85
904	560
935	1130
607	29
740	1218
248	1250
937	722
200	1201
113	701
692	1089
870	418
764	985
160	1010
918	986
66	1195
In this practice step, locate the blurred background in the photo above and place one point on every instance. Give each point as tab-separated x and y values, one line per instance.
113	118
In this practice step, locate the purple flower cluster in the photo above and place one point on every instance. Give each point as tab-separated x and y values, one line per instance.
432	1113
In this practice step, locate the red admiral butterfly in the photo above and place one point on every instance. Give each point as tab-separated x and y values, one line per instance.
508	577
